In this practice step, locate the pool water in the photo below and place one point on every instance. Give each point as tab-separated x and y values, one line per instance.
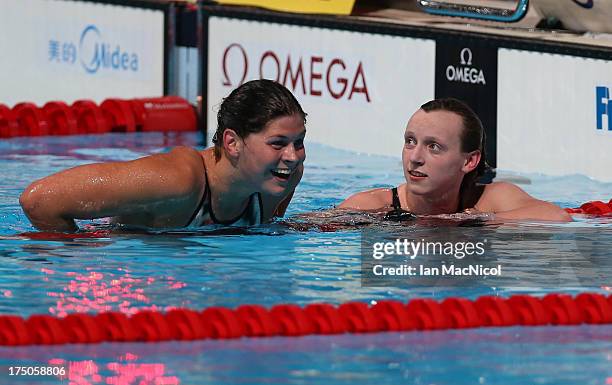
286	263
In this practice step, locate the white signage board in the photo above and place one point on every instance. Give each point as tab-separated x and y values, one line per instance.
553	115
358	89
68	50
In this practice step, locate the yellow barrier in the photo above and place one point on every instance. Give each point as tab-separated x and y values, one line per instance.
334	7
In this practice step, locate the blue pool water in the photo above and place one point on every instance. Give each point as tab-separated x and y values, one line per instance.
274	264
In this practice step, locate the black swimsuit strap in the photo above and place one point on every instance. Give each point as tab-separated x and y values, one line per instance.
203	199
395	197
398	214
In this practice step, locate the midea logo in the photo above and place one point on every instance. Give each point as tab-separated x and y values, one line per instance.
464	72
96	54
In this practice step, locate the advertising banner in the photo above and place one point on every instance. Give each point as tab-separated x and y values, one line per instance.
554	122
356	98
468	72
68	50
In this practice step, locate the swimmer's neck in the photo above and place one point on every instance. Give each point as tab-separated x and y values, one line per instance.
431	204
228	188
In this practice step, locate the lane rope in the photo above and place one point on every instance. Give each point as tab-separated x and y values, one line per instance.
292	320
596	208
162	114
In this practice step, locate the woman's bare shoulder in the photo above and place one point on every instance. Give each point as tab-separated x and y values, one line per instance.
179	160
179	172
368	200
187	156
497	195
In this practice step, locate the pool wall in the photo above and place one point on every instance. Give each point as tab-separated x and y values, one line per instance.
543	97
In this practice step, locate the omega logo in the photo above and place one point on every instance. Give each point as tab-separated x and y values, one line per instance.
465	73
227	81
466	52
312	75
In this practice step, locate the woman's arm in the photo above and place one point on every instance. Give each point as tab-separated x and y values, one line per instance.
156	185
508	201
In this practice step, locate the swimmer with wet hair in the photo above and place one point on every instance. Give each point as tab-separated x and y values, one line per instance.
443	159
247	178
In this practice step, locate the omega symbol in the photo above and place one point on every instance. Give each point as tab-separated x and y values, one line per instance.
466	52
245	65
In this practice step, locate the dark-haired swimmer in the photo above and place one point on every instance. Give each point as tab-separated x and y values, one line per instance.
443	157
247	178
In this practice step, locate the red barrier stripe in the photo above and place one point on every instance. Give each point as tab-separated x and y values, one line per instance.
292	320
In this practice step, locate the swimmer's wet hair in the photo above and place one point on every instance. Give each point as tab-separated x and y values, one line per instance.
250	107
473	137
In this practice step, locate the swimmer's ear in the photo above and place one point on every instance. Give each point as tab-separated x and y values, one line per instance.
231	143
471	161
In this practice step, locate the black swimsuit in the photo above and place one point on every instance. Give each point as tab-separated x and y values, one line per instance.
203	214
398	214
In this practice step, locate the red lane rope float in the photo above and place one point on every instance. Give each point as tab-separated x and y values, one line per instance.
596	208
90	119
118	113
32	120
160	113
168	113
292	320
9	127
62	120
